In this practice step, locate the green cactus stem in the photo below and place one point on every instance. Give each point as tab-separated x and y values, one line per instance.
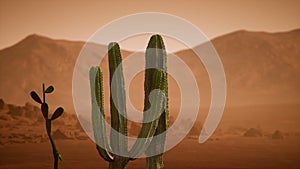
117	106
155	108
149	128
117	99
156	56
57	113
117	110
98	115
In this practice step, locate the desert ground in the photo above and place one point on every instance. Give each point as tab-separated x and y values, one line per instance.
250	140
227	152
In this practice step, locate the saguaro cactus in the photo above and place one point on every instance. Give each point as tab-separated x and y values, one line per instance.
155	108
45	109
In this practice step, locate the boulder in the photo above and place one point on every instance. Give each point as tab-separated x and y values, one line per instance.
277	135
252	132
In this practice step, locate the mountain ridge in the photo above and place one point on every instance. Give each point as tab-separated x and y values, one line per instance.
252	61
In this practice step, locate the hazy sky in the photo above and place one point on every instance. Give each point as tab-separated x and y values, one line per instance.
77	20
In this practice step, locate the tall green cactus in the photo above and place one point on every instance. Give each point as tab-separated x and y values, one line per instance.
57	113
155	105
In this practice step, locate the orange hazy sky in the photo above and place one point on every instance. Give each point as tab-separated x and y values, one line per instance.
78	20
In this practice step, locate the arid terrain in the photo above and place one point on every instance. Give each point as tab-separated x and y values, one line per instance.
241	141
260	127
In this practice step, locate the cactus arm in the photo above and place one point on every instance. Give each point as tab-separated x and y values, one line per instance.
117	99
156	55
98	115
157	105
118	140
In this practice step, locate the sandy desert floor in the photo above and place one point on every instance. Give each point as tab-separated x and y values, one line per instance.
226	152
24	144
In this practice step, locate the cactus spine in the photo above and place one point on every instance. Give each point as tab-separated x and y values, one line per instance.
57	113
155	105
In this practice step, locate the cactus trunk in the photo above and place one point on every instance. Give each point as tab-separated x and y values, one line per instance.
154	162
118	163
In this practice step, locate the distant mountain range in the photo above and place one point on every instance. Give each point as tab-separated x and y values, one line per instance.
261	68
